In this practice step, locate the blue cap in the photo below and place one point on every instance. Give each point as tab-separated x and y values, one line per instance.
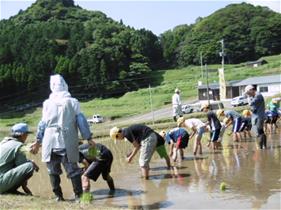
20	128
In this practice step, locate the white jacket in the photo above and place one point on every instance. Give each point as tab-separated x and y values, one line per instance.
59	115
176	101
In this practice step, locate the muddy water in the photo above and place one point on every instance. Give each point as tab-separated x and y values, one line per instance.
252	177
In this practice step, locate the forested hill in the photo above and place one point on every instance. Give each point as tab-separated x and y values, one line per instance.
100	57
249	32
97	55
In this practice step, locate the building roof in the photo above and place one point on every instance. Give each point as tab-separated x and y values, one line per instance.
250	81
256	62
217	85
260	80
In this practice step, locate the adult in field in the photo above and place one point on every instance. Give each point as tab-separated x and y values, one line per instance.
176	102
58	134
15	168
257	105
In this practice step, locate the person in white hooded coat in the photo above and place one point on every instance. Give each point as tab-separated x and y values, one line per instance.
58	134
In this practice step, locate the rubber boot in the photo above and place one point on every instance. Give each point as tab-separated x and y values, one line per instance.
110	183
260	141
263	137
77	187
55	182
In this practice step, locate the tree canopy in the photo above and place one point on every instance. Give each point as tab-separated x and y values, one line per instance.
100	57
249	32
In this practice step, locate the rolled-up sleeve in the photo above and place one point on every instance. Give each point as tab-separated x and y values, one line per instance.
40	131
83	126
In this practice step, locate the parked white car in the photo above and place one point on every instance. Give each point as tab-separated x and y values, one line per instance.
186	109
95	119
239	101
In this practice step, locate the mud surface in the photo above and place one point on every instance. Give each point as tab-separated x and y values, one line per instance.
252	178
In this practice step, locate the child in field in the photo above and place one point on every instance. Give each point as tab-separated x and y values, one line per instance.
144	139
234	118
215	126
272	115
198	129
246	125
178	139
97	160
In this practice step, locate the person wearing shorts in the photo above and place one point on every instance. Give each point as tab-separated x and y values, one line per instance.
198	129
215	126
246	123
144	139
178	139
97	160
234	118
272	115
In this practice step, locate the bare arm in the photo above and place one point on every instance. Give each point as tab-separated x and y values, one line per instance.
193	132
134	152
228	122
171	148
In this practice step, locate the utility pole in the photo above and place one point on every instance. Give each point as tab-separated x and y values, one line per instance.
222	53
151	106
207	77
201	62
221	73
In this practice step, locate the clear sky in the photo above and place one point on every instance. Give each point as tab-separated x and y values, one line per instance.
157	16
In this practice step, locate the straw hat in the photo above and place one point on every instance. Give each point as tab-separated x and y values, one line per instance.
205	106
220	112
177	90
180	121
162	133
113	133
225	120
246	112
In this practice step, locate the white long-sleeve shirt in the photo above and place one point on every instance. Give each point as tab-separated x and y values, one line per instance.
176	99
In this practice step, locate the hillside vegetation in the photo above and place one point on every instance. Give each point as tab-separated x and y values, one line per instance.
137	102
101	58
249	33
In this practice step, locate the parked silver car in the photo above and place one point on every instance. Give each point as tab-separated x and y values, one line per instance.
239	101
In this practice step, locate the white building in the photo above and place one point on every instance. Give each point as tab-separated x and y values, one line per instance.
266	85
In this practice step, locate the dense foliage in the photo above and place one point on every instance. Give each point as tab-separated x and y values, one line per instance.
98	56
249	32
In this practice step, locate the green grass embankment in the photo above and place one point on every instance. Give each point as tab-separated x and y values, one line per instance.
163	85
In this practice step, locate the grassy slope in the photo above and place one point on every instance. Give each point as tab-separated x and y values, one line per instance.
137	102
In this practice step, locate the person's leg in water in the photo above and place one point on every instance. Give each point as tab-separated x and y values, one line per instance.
148	146
106	172
262	140
74	173
54	169
162	152
197	143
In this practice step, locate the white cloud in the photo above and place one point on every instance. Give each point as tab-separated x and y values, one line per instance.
275	5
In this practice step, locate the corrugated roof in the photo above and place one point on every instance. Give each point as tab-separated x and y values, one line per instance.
260	80
217	86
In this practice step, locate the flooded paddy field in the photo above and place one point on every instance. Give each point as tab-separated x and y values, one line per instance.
252	178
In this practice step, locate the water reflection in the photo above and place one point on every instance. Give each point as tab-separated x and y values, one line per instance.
252	176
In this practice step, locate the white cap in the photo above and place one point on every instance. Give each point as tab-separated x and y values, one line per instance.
177	90
248	88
